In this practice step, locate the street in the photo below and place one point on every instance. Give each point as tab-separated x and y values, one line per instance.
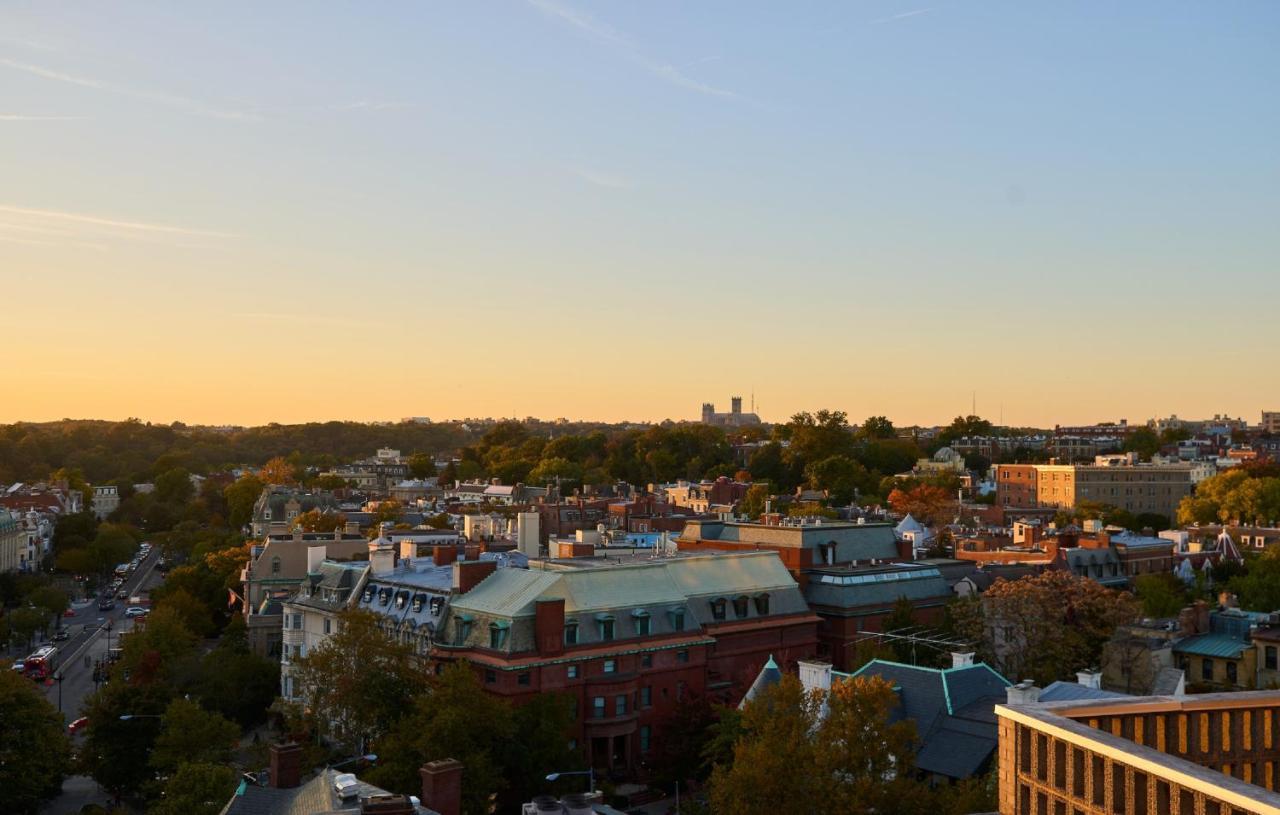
89	642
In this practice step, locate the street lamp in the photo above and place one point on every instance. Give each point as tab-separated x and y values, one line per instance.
590	773
58	678
128	716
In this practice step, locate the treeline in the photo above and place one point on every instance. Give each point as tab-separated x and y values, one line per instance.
139	452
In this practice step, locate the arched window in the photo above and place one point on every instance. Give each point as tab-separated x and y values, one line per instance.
740	606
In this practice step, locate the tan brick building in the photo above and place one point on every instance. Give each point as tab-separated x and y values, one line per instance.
1137	488
1210	754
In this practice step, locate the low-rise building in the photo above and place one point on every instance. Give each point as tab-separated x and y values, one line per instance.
106	500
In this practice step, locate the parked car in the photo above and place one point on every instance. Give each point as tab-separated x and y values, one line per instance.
77	725
18	665
61	635
135	611
122	595
106	604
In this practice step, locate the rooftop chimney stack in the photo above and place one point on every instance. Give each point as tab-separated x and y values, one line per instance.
286	765
1023	693
961	659
442	786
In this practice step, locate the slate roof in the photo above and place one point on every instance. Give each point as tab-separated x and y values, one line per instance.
851	588
1211	645
953	710
769	675
315	797
1071	691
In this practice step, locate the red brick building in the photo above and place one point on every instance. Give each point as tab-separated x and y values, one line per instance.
628	640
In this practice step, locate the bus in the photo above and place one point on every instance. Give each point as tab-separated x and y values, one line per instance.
42	663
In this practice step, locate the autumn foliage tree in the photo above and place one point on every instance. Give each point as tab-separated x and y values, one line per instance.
277	471
926	502
314	520
1043	627
796	754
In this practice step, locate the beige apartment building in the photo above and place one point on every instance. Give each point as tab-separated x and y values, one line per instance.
1270	421
1136	488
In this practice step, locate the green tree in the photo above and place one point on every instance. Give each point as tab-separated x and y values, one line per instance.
1162	594
114	748
454	719
241	496
189	733
52	600
962	426
877	427
1142	441
358	682
174	486
34	751
422	465
236	682
25	622
754	502
840	476
196	789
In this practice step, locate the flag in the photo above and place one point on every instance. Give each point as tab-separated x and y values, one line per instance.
231	601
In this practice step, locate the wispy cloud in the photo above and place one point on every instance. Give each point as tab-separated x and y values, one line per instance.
904	15
47	227
317	318
369	105
601	179
610	36
33	117
170	100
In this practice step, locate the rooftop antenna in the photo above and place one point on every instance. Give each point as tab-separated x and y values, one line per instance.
974	410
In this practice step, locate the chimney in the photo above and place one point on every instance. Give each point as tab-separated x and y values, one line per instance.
382	558
961	659
444	555
1023	693
315	556
471	552
408	549
286	765
351	528
337	534
1089	679
815	675
548	627
469	573
442	786
297	533
906	550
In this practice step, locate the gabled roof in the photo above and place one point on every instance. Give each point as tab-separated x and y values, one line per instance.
769	675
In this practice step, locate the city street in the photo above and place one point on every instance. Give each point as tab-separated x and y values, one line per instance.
90	641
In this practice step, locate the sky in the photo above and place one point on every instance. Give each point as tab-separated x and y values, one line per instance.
244	212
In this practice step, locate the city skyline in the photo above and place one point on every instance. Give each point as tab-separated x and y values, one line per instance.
247	214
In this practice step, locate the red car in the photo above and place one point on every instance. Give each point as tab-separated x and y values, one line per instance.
77	725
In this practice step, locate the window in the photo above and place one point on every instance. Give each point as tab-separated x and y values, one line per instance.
1269	660
644	738
620	705
717	608
676	615
490	677
1206	669
571	672
498	633
682	656
605	622
610	666
646	660
641	619
646	696
762	604
1231	672
570	632
328	625
275	565
523	679
461	629
597	707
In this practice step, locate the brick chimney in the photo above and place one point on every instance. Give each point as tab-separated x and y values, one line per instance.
906	550
471	552
442	786
286	765
548	627
444	555
467	574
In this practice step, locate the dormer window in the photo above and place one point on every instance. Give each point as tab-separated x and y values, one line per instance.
498	630
275	565
676	615
368	594
640	618
401	597
384	597
762	604
462	628
717	608
740	606
605	624
570	632
417	603
436	604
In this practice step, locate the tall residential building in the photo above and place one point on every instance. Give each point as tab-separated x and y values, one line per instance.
1203	754
1136	488
311	616
1270	421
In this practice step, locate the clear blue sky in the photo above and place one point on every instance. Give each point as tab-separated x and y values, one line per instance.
228	210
